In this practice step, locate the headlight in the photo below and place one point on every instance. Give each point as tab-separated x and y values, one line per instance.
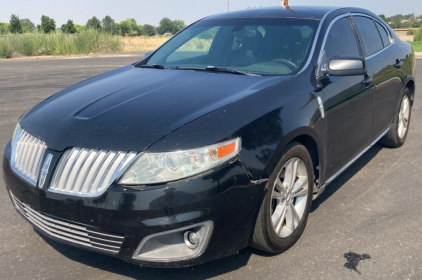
153	168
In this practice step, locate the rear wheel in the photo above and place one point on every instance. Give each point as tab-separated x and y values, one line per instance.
400	127
285	209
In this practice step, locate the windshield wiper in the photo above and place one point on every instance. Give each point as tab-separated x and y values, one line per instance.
157	66
216	69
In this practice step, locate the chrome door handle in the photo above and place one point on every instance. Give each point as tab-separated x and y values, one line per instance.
368	80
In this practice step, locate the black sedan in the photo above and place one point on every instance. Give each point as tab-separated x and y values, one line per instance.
219	139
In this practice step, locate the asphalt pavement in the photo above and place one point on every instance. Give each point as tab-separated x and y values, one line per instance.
367	225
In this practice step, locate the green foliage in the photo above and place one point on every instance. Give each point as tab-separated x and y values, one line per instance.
417	24
5	50
79	28
149	30
382	16
129	27
417	46
418	35
89	41
178	25
4	28
107	24
47	24
69	27
169	26
93	23
166	26
116	29
27	25
15	24
410	32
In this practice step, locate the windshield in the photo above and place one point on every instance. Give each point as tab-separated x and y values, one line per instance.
262	46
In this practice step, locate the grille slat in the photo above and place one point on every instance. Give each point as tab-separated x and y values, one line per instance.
27	153
68	231
85	172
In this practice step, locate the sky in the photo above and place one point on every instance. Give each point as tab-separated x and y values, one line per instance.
151	12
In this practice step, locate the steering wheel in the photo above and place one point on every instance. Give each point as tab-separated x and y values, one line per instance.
286	62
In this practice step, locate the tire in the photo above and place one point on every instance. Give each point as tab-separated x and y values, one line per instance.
275	235
396	136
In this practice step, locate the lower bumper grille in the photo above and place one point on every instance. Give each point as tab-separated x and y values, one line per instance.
77	234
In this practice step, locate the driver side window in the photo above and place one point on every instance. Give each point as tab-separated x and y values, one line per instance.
341	41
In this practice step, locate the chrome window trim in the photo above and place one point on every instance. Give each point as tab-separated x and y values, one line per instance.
308	62
390	38
392	42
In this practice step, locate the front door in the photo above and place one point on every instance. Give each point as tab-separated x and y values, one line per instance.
349	101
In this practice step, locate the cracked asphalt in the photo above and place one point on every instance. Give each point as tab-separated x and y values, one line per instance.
367	225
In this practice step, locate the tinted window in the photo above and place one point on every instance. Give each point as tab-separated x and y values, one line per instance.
341	41
383	33
370	34
264	46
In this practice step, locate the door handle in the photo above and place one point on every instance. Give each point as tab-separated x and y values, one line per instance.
367	81
398	64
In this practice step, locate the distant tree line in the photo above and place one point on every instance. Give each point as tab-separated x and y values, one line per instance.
403	21
128	27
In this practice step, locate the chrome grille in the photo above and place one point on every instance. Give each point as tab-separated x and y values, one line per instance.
27	153
71	232
86	172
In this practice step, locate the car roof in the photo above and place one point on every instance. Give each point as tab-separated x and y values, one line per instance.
310	12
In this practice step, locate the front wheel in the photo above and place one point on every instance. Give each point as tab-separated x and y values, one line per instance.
400	127
285	209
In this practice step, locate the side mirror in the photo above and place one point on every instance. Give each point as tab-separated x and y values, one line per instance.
345	66
147	53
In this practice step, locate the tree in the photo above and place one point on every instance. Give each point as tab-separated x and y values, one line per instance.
15	24
178	25
4	28
47	24
129	27
69	27
93	23
27	25
166	26
107	24
149	30
382	16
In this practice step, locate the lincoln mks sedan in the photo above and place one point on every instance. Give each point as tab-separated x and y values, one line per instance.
218	140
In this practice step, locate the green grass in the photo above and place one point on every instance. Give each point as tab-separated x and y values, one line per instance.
417	46
89	41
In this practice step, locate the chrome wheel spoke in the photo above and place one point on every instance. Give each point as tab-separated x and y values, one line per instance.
279	188
292	218
301	187
278	218
291	173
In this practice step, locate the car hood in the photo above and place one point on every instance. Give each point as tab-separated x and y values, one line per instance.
131	108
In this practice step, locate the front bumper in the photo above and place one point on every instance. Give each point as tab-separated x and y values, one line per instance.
225	196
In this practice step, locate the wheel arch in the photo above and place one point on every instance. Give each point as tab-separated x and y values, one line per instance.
308	138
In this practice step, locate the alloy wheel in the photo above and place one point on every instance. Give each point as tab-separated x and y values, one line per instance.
289	197
404	115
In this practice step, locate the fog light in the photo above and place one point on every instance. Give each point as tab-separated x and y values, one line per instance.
175	245
191	239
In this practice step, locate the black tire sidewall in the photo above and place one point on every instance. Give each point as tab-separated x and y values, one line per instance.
277	244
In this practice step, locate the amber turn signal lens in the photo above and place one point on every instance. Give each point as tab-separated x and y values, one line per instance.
226	150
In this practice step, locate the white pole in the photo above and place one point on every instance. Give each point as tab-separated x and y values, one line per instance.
228	5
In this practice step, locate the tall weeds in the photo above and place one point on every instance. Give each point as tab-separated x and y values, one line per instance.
89	41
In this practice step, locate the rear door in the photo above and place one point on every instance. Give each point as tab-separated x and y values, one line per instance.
349	100
384	57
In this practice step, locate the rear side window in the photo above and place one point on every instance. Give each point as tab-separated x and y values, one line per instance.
370	34
383	33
